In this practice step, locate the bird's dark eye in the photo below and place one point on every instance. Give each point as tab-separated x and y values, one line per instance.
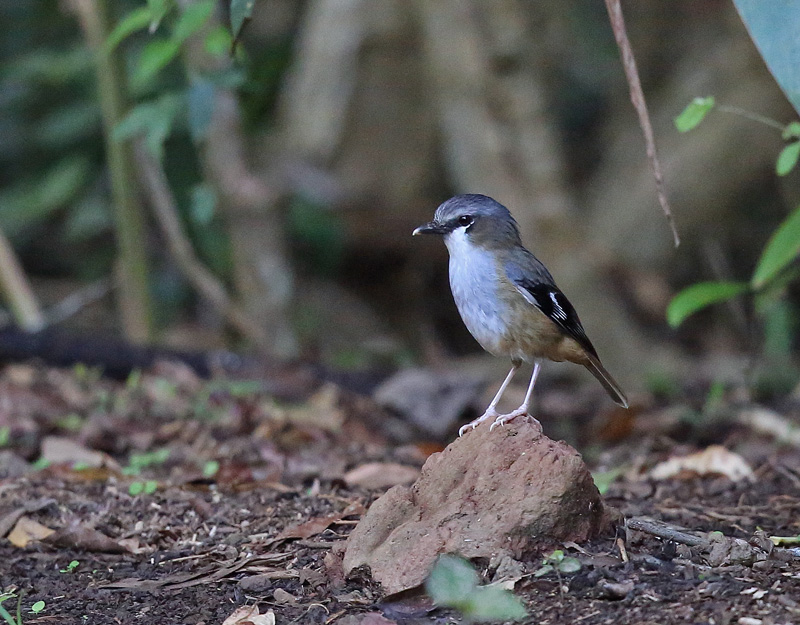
465	220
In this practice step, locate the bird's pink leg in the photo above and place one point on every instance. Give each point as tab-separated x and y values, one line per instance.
522	411
491	411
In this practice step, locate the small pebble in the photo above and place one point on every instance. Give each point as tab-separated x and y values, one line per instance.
749	620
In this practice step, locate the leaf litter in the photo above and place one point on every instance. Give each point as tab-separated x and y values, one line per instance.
260	539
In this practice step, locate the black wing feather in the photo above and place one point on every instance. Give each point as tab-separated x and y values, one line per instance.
546	296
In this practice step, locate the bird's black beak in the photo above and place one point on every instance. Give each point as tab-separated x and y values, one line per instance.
430	228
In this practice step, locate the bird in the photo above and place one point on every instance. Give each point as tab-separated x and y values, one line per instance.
508	299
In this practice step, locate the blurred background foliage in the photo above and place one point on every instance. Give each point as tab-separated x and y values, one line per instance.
297	161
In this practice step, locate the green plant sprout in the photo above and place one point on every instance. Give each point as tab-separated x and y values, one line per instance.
139	461
559	563
210	468
453	583
10	620
137	488
70	567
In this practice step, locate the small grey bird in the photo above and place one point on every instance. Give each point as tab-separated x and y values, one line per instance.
508	299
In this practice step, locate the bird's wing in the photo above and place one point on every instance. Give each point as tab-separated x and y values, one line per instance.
536	285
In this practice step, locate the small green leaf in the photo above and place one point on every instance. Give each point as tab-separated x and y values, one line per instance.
150	486
452	581
694	113
135	488
218	42
782	248
5	435
604	479
155	56
570	565
787	159
192	19
699	296
37	607
241	11
136	20
492	603
41	463
791	131
210	468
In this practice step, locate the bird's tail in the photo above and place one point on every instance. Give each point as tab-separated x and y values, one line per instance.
609	383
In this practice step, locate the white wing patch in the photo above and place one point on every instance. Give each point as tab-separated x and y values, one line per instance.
558	311
527	295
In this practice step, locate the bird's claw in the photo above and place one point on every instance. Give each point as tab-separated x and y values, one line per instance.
489	414
519	412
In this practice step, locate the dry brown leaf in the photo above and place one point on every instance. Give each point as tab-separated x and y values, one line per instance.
381	475
714	460
86	539
250	615
62	450
27	530
319	524
322	410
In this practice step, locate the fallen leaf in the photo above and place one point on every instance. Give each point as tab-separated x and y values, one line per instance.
250	615
381	475
320	524
86	539
282	596
27	530
62	450
9	520
714	460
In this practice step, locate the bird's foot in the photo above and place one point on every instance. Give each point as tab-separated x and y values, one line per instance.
522	411
490	413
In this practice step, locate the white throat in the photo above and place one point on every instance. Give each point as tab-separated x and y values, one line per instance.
474	281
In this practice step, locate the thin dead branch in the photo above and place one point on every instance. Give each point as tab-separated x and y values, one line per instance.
155	184
637	98
17	291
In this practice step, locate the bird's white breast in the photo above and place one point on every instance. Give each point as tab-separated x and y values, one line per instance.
474	281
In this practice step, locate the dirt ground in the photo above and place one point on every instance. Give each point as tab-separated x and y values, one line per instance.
168	499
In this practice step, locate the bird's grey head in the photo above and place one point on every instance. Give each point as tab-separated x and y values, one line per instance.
483	221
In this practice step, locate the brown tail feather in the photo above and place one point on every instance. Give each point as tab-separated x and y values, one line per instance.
610	384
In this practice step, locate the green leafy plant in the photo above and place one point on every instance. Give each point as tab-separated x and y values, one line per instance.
70	567
453	583
775	269
5	596
772	273
696	111
138	488
139	461
210	468
557	562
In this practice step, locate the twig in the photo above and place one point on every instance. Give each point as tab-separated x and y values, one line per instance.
666	532
76	301
14	285
637	98
134	294
155	184
754	117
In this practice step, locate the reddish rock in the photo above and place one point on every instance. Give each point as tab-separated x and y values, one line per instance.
511	492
